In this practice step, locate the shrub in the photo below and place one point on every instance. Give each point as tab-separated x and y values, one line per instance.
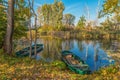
59	64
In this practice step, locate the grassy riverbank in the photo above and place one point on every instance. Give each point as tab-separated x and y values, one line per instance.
13	68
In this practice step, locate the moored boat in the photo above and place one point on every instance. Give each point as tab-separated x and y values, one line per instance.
75	63
25	52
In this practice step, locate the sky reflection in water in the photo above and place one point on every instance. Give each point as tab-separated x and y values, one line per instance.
89	51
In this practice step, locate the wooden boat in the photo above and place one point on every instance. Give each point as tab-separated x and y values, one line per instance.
74	63
25	52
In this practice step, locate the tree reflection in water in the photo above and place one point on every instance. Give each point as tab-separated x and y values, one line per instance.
92	52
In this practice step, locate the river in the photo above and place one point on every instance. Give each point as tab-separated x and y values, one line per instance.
93	52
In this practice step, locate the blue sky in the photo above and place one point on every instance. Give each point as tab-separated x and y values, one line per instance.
75	7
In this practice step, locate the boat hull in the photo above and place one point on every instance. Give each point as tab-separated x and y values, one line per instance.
80	69
25	52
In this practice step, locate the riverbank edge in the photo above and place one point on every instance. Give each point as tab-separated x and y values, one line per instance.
80	35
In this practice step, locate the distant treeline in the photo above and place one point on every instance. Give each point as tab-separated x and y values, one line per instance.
82	34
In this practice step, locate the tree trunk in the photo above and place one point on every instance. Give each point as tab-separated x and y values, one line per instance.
31	6
30	32
10	28
35	35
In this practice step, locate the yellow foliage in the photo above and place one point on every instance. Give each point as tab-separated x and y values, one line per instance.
104	72
46	28
115	78
11	70
33	34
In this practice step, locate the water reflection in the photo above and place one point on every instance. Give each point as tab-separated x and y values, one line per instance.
111	45
52	49
92	52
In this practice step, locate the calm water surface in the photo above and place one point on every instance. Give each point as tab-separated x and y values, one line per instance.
92	52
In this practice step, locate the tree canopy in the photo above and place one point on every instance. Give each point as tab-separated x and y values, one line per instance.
109	7
51	14
81	22
69	19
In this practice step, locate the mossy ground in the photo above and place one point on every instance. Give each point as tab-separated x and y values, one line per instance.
13	68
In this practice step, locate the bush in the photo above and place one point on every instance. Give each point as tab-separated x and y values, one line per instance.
59	64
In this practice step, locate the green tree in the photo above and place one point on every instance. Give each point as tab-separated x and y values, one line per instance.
3	21
21	13
21	16
81	22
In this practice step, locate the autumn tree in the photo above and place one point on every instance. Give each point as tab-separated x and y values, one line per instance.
81	22
32	15
69	19
116	21
46	11
110	7
51	14
58	8
111	23
107	24
40	16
